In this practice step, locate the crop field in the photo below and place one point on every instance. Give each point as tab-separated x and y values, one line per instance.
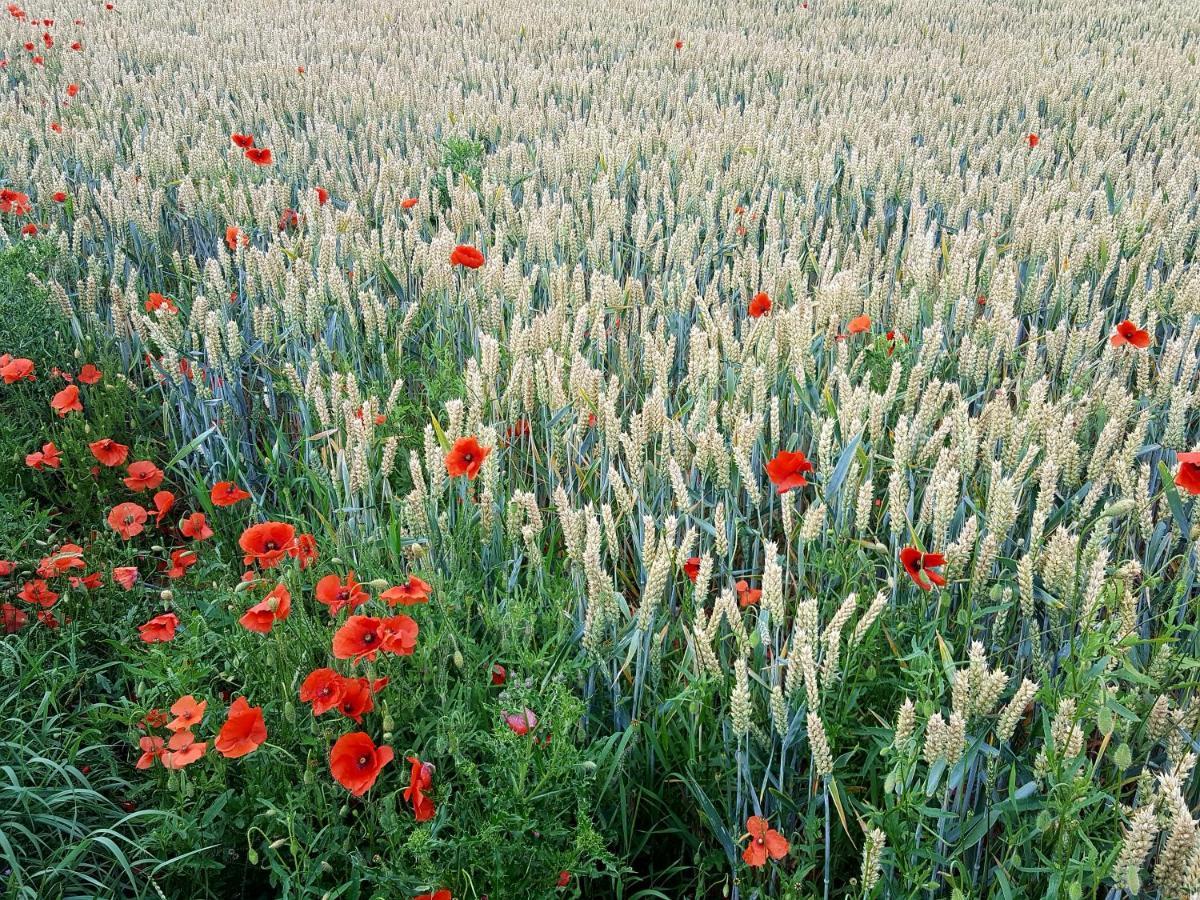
494	449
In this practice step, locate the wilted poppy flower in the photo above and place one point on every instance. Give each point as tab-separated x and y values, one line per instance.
159	629
266	543
355	762
760	305
163	502
409	594
521	723
108	452
195	526
1188	476
420	780
181	561
324	689
1031	140
289	219
409	202
19	369
859	324
275	607
12	618
465	458
920	566
322	195
467	256
155	718
182	750
188	711
765	842
66	401
152	749
787	469
1128	333
338	596
226	493
125	576
691	568
48	457
37	592
143	476
235	237
499	675
245	141
260	156
243	732
127	519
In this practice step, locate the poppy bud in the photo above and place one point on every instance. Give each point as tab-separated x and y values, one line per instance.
389	724
243	586
166	596
278	842
158	548
458	659
378	584
289	713
252	855
336	561
1120	508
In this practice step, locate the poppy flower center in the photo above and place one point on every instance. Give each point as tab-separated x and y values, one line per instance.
759	841
270	545
343	594
368	639
362	762
469	457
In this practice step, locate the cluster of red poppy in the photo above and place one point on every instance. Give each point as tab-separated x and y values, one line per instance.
243	732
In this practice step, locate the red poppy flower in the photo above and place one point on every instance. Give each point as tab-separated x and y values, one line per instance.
89	374
76	46
1128	333
747	596
152	749
125	576
127	519
465	458
324	689
355	762
679	45
413	592
143	476
275	607
72	90
420	780
243	732
61	561
245	141
108	452
1031	140
859	324
48	457
19	369
163	502
322	195
467	256
564	878
358	638
6	568
760	305
38	592
12	618
15	203
188	711
226	493
181	561
30	230
439	894
521	723
691	568
304	550
289	219
195	526
182	750
358	697
159	629
59	197
235	237
156	301
266	543
338	596
499	675
89	582
66	401
260	156
920	566
765	842
787	469
409	203
1188	476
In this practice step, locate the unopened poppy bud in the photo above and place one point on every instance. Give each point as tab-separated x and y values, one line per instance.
87	429
336	561
278	842
378	584
252	855
1120	508
166	596
243	586
389	724
458	659
158	548
289	713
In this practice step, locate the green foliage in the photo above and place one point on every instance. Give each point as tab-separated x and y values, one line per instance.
462	158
